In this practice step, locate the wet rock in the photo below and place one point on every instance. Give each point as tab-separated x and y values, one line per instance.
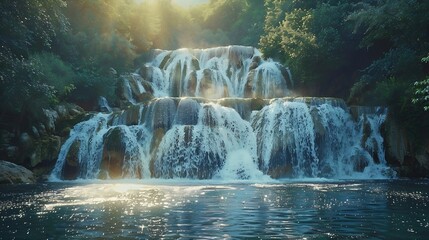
212	84
113	156
189	152
192	84
286	74
130	116
164	61
187	112
103	105
132	89
12	173
164	111
121	156
359	160
71	168
319	129
209	117
256	60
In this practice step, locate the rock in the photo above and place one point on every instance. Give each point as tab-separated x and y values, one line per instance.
422	157
210	86
103	105
113	72
319	129
187	112
256	60
11	152
118	157
26	149
49	118
12	173
35	132
42	130
69	115
209	116
164	111
46	151
113	154
132	89
396	143
192	84
71	167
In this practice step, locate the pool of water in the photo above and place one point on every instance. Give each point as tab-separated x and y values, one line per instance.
388	209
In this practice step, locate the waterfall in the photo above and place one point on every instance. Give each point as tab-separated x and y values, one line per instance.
222	113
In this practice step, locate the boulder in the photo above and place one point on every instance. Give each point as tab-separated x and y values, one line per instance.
12	173
187	112
113	156
131	89
71	166
49	118
164	111
46	151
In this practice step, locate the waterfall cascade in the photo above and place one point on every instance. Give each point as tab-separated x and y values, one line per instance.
222	113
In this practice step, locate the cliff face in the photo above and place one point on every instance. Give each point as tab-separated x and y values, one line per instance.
408	158
37	143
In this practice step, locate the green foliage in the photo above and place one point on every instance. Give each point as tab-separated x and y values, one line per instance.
53	72
229	22
421	90
314	39
394	21
23	88
27	27
90	84
30	25
399	64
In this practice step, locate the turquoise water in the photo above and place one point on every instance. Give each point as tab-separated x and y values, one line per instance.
385	209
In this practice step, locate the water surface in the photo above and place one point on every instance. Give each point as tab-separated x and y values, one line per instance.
174	209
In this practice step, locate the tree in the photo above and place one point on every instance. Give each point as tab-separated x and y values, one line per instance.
421	94
27	27
314	39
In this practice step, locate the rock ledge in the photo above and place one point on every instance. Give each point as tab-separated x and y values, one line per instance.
12	173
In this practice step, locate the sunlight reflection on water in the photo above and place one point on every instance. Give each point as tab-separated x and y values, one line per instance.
186	209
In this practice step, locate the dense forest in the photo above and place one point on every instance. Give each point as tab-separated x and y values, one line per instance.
370	52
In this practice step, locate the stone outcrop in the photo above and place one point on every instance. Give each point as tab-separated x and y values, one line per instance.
12	173
407	159
38	145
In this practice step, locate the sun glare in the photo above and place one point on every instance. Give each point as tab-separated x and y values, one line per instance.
189	3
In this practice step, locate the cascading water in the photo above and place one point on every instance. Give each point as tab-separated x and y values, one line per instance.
222	113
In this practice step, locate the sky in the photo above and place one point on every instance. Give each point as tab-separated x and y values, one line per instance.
188	3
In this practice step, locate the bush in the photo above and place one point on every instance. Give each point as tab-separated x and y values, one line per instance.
54	72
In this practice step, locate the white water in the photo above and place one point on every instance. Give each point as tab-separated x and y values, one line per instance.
283	139
198	138
214	73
